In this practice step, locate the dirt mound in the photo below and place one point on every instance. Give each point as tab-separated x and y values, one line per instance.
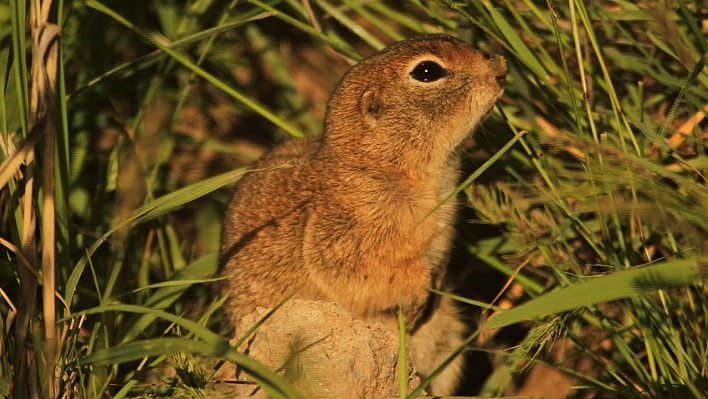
324	351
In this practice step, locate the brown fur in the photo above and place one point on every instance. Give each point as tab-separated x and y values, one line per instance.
344	221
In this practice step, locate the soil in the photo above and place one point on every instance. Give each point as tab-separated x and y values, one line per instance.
323	351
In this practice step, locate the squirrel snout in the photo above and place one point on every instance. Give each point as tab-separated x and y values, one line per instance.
498	66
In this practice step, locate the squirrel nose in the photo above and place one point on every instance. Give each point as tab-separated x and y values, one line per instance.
498	66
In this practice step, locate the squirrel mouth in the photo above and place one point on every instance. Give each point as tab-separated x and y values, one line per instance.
488	112
491	105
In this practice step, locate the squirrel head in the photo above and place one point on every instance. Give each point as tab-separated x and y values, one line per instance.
422	96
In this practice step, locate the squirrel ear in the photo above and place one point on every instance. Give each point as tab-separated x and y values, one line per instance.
370	107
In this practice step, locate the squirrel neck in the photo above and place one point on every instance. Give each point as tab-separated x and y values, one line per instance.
407	156
366	167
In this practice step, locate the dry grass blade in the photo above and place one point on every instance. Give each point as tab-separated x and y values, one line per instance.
45	60
14	161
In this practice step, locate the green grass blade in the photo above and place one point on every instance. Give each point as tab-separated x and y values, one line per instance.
469	180
611	287
154	57
402	356
274	385
353	26
19	63
168	294
249	102
523	53
337	45
153	209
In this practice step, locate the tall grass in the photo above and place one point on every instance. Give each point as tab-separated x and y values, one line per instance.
122	124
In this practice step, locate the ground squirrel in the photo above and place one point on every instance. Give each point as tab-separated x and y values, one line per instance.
347	220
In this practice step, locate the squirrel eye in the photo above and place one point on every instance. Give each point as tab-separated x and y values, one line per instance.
428	71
